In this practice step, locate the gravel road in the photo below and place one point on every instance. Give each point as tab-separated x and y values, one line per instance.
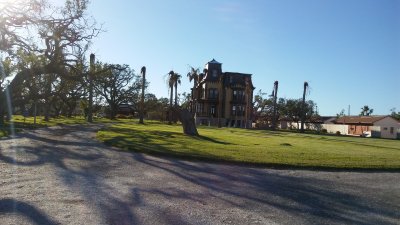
62	175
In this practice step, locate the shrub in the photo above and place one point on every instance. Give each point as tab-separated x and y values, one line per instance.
337	132
324	131
121	116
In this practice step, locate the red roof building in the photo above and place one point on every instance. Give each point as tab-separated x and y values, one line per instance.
379	126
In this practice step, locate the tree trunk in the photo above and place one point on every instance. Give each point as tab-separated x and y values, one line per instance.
57	111
113	111
69	113
35	112
143	71
193	103
188	123
303	107
70	109
47	110
47	105
176	94
90	106
2	117
170	105
274	116
2	106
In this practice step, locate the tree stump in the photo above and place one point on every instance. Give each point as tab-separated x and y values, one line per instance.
188	123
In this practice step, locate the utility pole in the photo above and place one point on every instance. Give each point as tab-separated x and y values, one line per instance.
90	79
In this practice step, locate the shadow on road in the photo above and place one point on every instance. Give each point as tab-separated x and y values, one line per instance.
80	163
86	167
251	189
30	212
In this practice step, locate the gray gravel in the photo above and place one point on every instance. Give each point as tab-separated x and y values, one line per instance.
62	175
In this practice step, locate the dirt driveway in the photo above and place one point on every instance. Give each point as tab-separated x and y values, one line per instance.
62	175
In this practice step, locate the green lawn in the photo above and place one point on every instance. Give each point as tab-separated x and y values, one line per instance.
18	123
280	149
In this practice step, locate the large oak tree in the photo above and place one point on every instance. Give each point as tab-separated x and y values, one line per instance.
52	35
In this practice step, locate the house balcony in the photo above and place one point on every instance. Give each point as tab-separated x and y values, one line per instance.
238	114
210	100
238	101
206	114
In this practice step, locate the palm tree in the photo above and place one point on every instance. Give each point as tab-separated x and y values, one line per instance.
143	72
194	75
366	111
172	81
177	80
170	84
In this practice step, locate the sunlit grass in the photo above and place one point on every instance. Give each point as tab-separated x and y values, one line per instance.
256	146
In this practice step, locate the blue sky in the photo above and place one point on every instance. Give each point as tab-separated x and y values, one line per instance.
348	50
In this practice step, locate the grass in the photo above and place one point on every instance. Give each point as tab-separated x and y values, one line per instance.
19	123
257	147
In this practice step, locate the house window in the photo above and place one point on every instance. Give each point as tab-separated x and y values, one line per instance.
199	107
238	95
238	110
214	73
391	130
213	111
212	93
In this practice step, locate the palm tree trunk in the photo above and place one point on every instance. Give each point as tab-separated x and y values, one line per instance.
171	98
170	104
142	100
303	107
274	116
193	103
176	94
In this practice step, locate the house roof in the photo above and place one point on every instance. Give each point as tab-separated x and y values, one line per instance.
213	61
328	118
233	78
359	119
